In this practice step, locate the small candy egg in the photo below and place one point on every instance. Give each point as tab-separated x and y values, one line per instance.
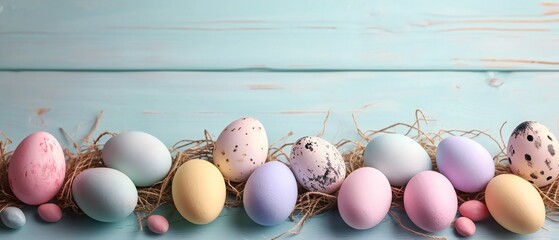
474	210
364	198
515	204
12	217
317	164
104	194
398	157
240	148
37	168
158	224
430	201
466	163
465	227
50	212
198	191
532	154
139	155
270	194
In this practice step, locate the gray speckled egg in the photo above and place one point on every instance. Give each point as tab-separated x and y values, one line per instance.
317	165
240	148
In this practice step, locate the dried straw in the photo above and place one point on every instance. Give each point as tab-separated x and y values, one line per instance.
7	198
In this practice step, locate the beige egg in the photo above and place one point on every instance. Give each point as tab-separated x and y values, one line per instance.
515	204
198	191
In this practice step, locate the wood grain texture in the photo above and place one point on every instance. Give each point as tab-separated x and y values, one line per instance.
180	105
280	35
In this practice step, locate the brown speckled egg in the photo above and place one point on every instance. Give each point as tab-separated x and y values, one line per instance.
317	165
532	153
240	148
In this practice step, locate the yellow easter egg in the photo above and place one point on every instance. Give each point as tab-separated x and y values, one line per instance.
198	191
515	204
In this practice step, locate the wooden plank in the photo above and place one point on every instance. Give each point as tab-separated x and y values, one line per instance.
179	105
280	35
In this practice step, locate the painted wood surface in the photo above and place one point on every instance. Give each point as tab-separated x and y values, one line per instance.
279	35
180	105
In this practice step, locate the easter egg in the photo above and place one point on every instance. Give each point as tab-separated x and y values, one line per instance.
474	210
37	168
270	194
364	198
50	212
398	157
139	155
198	191
465	227
12	217
104	194
531	153
515	204
466	163
157	224
317	164
240	148
430	201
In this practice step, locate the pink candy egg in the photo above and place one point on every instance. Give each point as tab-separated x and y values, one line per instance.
430	201
364	198
50	212
37	168
158	224
474	210
465	227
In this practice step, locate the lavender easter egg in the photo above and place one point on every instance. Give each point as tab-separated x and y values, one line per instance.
466	163
240	148
532	153
317	164
270	194
37	168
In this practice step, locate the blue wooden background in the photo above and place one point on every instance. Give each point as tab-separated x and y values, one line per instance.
175	68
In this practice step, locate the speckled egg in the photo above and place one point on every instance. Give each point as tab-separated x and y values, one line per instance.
37	168
532	154
317	164
240	148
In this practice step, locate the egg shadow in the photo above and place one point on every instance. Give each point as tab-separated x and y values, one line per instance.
244	223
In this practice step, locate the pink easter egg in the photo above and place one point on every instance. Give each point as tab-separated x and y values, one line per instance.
37	168
465	227
430	201
50	212
364	198
158	224
474	210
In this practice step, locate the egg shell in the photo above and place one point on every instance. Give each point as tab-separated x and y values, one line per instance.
515	204
139	155
317	164
364	198
240	148
270	194
12	217
474	210
50	212
430	201
532	153
158	224
465	226
466	163
398	157
198	191
104	194
37	168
